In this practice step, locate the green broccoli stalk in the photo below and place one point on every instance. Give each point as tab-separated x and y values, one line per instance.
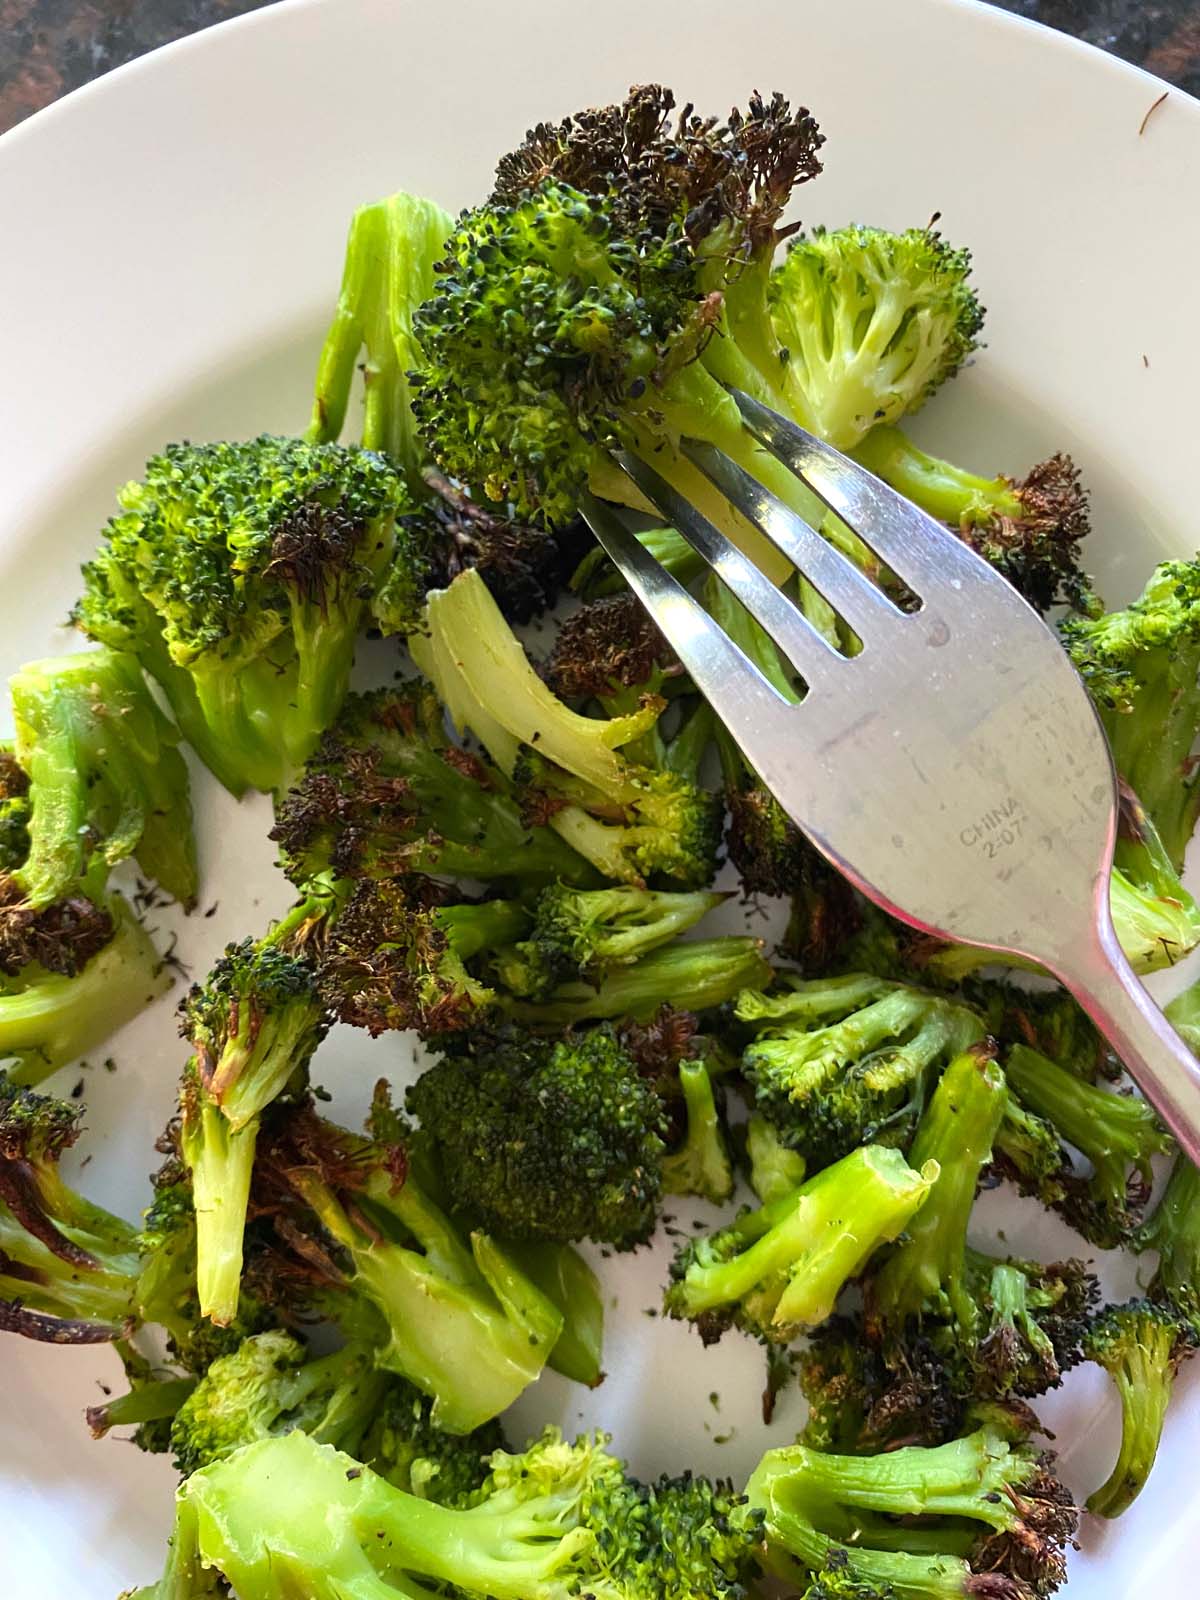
774	1169
270	1385
460	1320
386	793
1173	1229
1140	1345
994	1519
14	810
836	1061
565	1278
70	1271
70	976
253	1026
700	1164
870	324
629	820
547	1139
105	779
552	1521
1140	666
778	1271
390	255
148	1406
1117	1133
239	575
1029	530
583	935
1001	1328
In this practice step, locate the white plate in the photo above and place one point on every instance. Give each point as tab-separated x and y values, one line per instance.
172	239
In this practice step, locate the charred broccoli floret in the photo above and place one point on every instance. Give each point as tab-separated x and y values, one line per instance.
457	1317
105	779
778	1271
386	793
253	1026
630	820
548	1139
1140	1345
870	324
994	1518
837	1061
611	643
239	575
14	810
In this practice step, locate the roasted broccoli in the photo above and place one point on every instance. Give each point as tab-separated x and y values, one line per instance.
386	793
837	1061
14	811
566	1280
253	1025
458	1318
1173	1229
548	1139
239	575
609	644
552	1521
1001	1328
1117	1133
149	1406
1140	1346
70	976
870	324
993	1518
630	820
774	1169
699	1164
778	1271
105	779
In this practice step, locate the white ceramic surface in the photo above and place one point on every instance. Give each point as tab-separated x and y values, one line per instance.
172	237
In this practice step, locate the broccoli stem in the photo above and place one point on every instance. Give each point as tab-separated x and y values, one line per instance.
47	1020
154	1401
701	1165
565	1278
1140	1346
220	1159
1174	1231
774	1169
939	487
691	974
956	1133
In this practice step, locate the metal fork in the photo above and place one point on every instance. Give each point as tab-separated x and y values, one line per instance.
954	768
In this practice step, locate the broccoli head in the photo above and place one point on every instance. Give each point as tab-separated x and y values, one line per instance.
238	574
1140	1345
386	793
403	1446
870	323
606	644
778	1271
632	821
836	1061
548	1139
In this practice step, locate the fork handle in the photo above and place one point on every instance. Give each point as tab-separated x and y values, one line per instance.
1158	1061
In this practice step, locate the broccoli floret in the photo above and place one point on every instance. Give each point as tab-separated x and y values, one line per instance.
400	956
994	1518
555	1520
458	1318
1173	1229
1029	530
871	323
270	1385
583	935
386	793
70	1271
239	574
390	255
858	1403
253	1026
778	1271
1002	1328
1140	666
14	810
403	1446
656	821
548	1139
1117	1133
836	1581
700	1164
105	779
70	976
606	644
774	1169
1140	1345
836	1061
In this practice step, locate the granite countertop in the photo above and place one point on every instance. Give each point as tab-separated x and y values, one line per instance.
48	47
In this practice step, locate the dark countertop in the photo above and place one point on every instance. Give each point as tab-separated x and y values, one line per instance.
48	47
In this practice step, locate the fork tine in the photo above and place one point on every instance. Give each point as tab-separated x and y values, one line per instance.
811	654
857	600
910	542
725	676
